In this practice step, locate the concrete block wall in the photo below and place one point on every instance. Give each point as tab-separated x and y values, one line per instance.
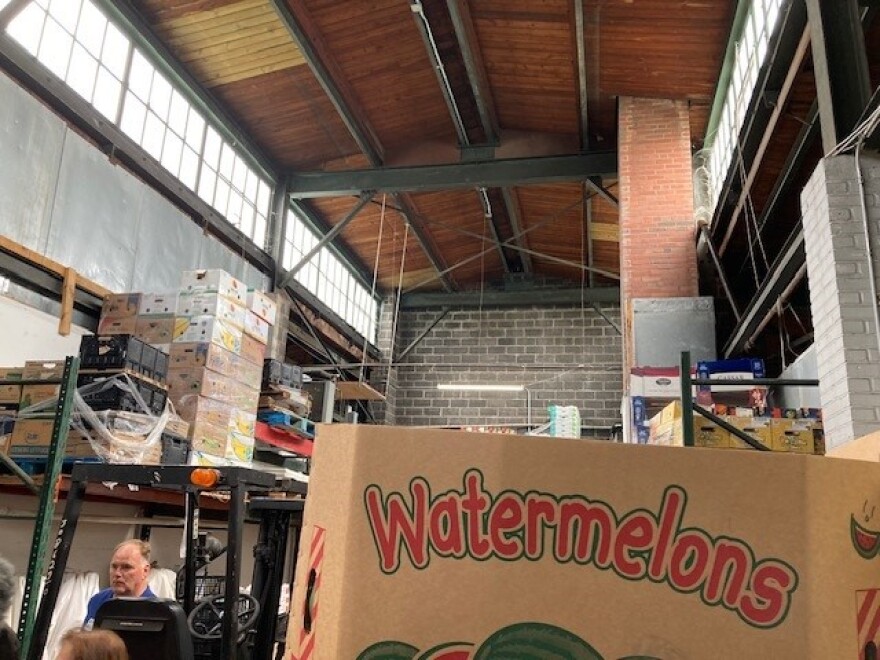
840	268
564	356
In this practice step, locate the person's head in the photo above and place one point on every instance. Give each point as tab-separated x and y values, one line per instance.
7	586
92	645
130	568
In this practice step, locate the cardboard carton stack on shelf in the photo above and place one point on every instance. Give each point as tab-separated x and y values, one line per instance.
217	352
743	406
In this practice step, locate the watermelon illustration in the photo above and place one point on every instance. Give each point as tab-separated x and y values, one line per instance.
448	651
389	650
865	541
535	641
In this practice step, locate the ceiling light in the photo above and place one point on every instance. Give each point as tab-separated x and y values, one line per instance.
480	388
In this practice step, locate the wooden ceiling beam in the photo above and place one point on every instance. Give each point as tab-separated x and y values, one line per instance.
324	68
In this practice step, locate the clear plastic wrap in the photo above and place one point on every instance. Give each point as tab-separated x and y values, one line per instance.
114	436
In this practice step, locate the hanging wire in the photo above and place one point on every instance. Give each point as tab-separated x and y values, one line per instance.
373	288
396	316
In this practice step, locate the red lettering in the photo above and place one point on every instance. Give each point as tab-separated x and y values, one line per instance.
637	532
538	508
394	526
690	560
474	504
506	517
446	532
671	513
588	527
770	595
730	573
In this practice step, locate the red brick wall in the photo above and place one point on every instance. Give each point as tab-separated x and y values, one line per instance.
657	249
658	256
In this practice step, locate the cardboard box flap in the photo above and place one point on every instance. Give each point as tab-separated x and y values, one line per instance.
494	542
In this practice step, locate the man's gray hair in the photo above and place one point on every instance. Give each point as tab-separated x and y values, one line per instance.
7	586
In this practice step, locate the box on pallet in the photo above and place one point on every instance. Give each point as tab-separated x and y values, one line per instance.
261	304
32	437
155	330
256	327
666	429
117	326
120	305
157	304
216	413
608	551
222	442
42	369
757	427
37	395
184	383
253	350
210	329
215	358
212	304
213	281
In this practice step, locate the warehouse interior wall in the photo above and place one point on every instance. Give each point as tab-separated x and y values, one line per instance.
30	334
566	356
63	197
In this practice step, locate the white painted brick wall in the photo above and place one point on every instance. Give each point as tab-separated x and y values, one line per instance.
840	292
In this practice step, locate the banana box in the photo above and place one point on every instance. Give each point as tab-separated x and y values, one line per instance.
213	281
184	383
758	428
211	304
202	410
793	435
222	442
262	305
207	329
155	330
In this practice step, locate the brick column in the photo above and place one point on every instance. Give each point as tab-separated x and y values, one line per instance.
657	248
842	295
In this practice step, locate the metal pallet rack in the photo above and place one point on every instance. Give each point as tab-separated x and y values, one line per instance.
689	407
46	493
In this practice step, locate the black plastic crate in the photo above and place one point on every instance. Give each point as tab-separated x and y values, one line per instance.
111	352
160	369
175	449
293	374
115	393
276	372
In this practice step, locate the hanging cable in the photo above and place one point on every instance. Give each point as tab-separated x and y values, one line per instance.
373	287
396	316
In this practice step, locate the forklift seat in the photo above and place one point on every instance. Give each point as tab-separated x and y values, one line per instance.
150	627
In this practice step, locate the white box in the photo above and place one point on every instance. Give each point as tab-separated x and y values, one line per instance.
208	329
256	327
213	281
211	304
262	305
157	304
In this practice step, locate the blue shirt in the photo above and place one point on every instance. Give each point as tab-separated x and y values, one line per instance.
102	597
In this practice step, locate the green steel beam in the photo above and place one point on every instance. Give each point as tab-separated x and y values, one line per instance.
46	509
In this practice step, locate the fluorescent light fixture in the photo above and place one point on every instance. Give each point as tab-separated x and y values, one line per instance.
469	387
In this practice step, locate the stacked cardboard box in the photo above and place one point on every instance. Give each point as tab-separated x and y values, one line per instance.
217	351
802	436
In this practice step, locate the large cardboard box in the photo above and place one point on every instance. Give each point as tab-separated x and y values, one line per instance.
497	547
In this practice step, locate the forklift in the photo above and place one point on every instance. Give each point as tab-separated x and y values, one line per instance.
244	627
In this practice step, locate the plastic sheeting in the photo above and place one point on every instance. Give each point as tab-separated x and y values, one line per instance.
70	608
62	197
116	437
163	582
31	140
